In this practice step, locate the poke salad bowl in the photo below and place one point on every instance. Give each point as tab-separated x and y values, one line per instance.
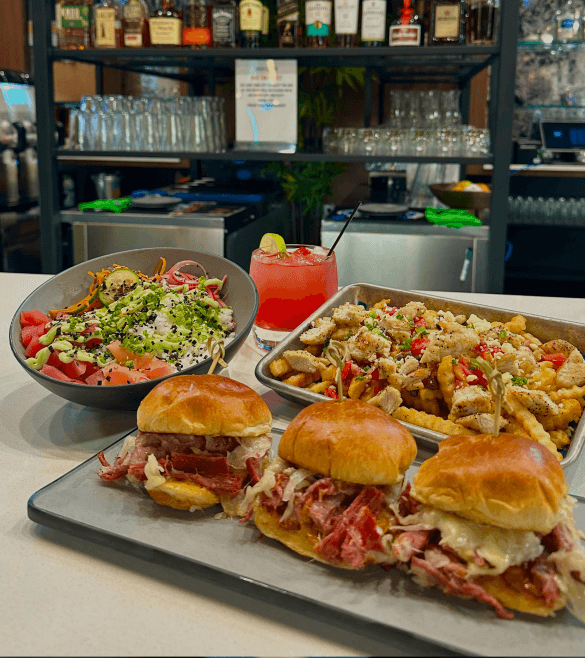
71	285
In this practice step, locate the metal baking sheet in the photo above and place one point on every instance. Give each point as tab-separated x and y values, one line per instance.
230	554
544	328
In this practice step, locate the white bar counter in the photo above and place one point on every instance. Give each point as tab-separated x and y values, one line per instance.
63	596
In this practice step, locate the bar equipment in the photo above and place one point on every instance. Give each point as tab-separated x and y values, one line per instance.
19	138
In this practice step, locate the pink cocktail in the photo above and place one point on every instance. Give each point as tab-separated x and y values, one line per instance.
291	287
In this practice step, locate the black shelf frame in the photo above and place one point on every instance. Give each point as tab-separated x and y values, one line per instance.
267	155
396	65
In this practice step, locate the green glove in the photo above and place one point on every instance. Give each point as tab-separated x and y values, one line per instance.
112	205
452	217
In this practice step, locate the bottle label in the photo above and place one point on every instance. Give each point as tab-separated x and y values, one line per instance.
132	11
133	39
105	27
373	20
447	21
318	17
404	35
165	31
224	28
251	15
286	8
73	16
196	36
346	16
265	19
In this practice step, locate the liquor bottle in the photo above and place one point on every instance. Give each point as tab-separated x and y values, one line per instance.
407	29
135	23
448	22
346	22
483	20
224	14
423	11
288	25
250	23
265	33
73	19
373	23
567	23
166	24
197	24
318	23
107	24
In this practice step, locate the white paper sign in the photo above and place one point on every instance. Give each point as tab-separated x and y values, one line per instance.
266	104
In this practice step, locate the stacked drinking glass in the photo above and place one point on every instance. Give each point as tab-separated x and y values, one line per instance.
127	123
421	123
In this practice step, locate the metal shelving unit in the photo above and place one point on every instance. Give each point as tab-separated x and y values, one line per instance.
454	64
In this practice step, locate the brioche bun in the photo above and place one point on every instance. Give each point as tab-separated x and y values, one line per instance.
513	590
182	494
351	441
204	405
300	540
508	481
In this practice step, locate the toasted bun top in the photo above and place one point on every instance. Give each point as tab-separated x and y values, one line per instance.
349	440
204	405
509	481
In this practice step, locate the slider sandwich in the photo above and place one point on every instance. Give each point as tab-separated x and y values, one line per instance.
489	518
202	439
327	495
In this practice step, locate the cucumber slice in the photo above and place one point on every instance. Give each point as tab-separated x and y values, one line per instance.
117	284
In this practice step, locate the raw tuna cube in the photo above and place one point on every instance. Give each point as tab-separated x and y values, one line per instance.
55	373
28	318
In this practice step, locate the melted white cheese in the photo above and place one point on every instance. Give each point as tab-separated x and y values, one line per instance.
502	548
153	471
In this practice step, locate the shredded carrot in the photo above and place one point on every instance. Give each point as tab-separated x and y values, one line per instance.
90	299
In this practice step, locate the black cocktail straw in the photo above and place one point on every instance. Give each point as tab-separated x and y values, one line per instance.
343	229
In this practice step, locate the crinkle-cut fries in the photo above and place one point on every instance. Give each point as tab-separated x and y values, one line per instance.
420	366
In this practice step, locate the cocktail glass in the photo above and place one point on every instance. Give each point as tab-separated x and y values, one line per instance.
291	287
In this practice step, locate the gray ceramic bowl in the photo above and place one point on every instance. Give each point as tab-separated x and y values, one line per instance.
71	285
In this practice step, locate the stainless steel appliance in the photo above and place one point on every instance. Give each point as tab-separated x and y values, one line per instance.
17	108
413	255
229	230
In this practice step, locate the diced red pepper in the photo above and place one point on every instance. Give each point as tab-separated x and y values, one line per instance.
330	392
486	351
419	321
461	372
557	359
375	374
390	310
346	370
419	345
464	369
